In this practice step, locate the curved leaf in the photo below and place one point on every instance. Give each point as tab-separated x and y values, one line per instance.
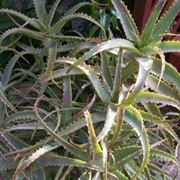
80	123
14	142
5	100
120	175
166	20
106	70
73	149
127	21
145	65
22	115
52	53
23	127
170	74
157	98
134	118
164	88
55	160
100	89
110	118
67	98
24	31
169	46
107	45
52	12
151	118
60	73
164	156
59	25
96	148
33	22
9	67
150	25
40	11
36	155
77	7
122	153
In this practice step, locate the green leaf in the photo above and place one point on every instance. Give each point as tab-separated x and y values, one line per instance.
106	70
80	123
157	98
153	50
31	33
96	148
52	12
119	115
150	25
129	70
52	53
23	127
55	160
14	142
165	22
164	88
67	98
61	73
131	168
110	119
101	90
107	45
163	64
36	155
162	155
169	46
118	76
120	175
29	149
60	24
6	102
77	7
134	118
123	153
67	47
151	118
33	22
145	65
5	79
170	131
41	11
127	21
159	171
22	115
153	109
170	74
73	149
9	67
68	38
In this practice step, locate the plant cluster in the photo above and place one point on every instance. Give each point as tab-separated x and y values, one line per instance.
75	106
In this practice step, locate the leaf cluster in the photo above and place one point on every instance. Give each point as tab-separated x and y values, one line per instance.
78	107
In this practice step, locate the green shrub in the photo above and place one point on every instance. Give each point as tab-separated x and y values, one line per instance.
76	107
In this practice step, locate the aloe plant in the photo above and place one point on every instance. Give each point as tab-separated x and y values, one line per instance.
65	117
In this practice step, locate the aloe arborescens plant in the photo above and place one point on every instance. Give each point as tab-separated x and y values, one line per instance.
132	95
